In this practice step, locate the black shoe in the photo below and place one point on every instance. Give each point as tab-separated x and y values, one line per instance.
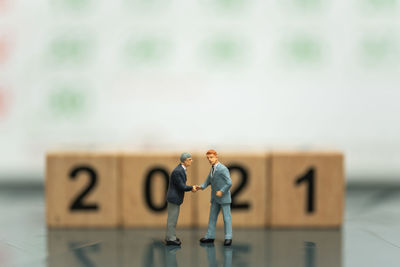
173	242
206	240
178	239
228	242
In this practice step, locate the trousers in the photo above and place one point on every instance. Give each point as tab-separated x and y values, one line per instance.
212	222
173	213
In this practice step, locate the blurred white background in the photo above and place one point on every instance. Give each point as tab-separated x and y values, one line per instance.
199	74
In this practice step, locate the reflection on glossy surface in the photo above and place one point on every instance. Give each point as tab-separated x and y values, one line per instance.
94	248
82	252
212	258
89	248
170	256
310	254
370	238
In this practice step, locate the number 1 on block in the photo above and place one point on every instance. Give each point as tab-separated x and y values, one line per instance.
307	189
309	179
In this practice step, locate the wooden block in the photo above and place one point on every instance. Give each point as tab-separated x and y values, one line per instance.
82	189
307	189
144	186
83	247
249	174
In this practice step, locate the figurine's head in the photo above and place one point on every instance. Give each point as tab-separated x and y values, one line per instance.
186	159
212	156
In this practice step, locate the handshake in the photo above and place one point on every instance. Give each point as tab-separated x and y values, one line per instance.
195	188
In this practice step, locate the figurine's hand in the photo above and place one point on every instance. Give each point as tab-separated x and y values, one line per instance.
194	188
219	193
199	187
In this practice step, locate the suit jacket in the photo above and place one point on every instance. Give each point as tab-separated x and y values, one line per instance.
177	185
220	181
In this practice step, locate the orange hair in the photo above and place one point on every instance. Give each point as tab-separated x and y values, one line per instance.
211	151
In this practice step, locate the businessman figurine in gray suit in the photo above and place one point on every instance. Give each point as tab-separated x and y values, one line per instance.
176	192
220	182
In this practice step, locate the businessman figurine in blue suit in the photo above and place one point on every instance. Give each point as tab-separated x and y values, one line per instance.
220	182
176	192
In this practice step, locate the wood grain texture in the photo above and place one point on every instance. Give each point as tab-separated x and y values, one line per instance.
289	200
62	190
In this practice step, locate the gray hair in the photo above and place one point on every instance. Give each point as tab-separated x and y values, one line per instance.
184	156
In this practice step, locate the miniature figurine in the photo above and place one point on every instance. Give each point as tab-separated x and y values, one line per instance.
176	192
221	182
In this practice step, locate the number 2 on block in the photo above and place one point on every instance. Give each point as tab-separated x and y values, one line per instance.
78	203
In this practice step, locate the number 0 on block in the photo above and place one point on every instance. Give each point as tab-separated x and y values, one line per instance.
145	179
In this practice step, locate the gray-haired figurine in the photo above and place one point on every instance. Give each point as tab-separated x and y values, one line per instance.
176	192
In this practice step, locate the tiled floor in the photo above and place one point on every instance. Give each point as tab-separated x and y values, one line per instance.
370	237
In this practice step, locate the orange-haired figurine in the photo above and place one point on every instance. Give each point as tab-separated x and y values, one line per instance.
221	182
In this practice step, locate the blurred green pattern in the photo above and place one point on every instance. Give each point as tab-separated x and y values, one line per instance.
67	101
308	4
303	5
224	50
66	50
151	50
304	49
230	4
73	5
147	5
382	4
378	51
